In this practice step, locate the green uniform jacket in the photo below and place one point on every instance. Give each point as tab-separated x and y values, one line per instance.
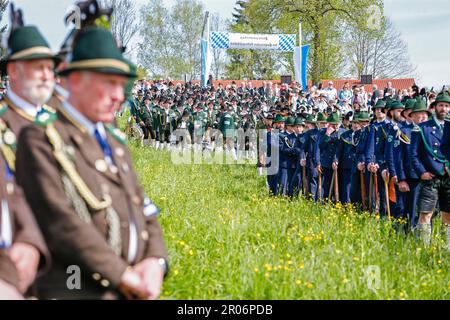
227	125
145	114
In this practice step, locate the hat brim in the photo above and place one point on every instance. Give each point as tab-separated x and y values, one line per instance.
382	108
427	111
37	56
434	103
389	111
104	70
404	110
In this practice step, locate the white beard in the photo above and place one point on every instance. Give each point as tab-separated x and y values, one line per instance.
37	92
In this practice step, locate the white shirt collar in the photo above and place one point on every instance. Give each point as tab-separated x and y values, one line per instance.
439	122
101	129
29	108
62	91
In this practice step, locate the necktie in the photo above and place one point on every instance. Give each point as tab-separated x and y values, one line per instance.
107	152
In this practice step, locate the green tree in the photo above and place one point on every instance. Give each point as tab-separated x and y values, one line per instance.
156	48
187	23
323	26
382	52
170	45
124	24
141	72
323	21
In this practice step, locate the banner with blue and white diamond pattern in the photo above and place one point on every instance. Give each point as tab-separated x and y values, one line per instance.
279	42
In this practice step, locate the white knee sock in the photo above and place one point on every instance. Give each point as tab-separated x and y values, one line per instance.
424	230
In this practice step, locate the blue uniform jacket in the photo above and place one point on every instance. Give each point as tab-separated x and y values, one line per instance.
363	141
288	153
376	144
426	141
348	150
397	153
299	147
445	145
310	139
329	148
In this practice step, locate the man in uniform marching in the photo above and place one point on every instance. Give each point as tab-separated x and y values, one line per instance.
288	158
310	138
92	211
145	121
273	156
347	161
433	168
23	252
385	140
297	181
328	152
373	147
358	194
29	65
399	163
228	128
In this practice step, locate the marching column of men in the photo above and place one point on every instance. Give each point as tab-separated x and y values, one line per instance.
215	120
23	251
395	164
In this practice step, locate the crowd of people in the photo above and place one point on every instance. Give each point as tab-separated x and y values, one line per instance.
75	223
384	152
164	110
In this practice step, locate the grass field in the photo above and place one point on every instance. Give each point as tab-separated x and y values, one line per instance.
228	240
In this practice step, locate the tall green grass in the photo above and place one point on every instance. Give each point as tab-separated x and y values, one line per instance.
228	240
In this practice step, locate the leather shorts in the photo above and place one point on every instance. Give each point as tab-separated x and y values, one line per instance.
434	191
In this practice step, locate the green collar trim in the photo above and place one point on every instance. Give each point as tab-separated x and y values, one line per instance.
3	108
117	134
439	157
45	117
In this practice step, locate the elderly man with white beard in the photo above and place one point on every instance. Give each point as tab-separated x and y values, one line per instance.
30	66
